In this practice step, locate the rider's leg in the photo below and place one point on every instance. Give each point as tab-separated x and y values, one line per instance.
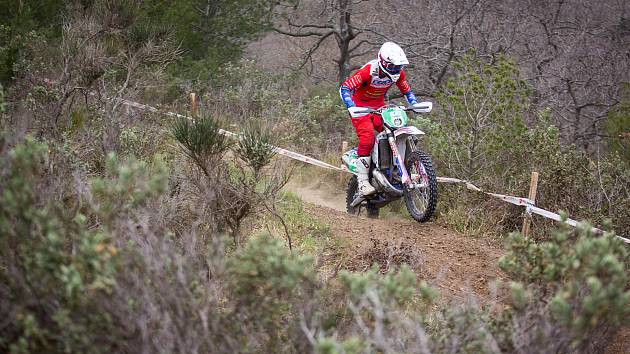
377	122
363	170
365	133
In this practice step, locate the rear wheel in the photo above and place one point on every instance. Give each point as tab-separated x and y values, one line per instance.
351	193
421	202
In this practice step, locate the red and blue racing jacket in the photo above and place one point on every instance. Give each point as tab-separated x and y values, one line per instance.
366	88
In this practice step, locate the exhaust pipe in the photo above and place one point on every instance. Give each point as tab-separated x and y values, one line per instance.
384	183
357	201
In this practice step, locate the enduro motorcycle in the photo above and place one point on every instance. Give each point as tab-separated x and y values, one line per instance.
399	168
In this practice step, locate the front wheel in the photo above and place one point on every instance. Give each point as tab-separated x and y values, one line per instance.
353	192
421	201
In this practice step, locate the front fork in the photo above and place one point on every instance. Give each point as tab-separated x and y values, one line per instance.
398	160
404	176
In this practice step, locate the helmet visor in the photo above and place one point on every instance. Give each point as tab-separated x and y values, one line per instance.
391	68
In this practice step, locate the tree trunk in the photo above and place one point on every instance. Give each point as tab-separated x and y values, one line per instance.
344	37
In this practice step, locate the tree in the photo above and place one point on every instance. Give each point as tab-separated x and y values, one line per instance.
572	52
575	54
617	127
433	34
342	20
483	118
211	31
17	19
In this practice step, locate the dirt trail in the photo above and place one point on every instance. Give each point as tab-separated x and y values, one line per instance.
458	265
462	267
318	196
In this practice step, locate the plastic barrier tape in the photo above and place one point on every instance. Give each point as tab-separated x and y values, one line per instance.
528	204
525	202
278	150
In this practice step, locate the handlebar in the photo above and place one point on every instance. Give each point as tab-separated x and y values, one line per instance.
380	110
421	107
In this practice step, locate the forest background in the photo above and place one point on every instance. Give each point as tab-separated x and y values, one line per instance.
130	231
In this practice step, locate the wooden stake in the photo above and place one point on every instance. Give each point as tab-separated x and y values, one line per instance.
193	105
344	148
533	187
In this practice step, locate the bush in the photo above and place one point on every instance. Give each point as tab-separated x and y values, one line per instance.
595	188
569	292
481	124
480	135
103	279
267	283
123	271
229	191
55	270
255	147
201	141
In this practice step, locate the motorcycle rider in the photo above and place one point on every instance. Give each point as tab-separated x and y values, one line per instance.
367	88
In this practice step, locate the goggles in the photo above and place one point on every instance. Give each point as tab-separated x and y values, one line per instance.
390	67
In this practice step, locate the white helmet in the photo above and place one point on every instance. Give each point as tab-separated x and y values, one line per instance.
391	59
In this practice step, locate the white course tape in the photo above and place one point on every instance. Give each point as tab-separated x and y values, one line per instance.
527	203
456	180
506	198
549	215
276	149
310	160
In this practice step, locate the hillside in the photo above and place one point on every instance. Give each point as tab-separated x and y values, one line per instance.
463	268
456	264
144	208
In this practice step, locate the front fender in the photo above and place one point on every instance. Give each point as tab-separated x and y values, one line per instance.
407	131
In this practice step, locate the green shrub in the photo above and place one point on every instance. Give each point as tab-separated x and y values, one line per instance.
481	123
255	147
201	140
231	190
127	185
480	135
372	312
575	283
327	123
265	272
267	282
55	266
588	187
395	288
